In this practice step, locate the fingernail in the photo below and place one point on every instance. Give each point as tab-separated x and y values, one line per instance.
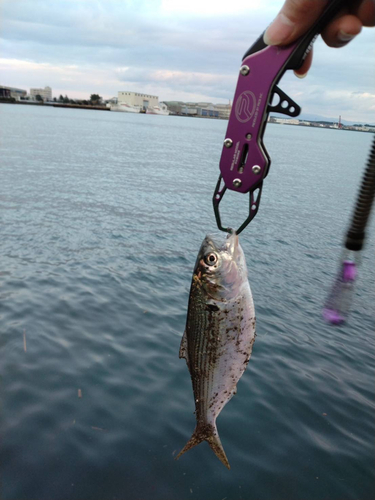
300	76
344	37
279	31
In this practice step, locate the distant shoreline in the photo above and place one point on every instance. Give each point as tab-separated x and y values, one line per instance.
349	128
56	105
311	124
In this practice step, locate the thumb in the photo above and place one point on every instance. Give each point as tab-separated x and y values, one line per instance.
294	19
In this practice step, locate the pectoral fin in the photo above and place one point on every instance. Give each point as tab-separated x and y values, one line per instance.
183	349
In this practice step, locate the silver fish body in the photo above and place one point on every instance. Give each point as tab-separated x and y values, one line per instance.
219	335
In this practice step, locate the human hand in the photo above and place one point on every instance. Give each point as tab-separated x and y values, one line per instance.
297	16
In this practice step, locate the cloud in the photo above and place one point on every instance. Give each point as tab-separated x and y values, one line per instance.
167	48
211	8
177	85
178	78
76	81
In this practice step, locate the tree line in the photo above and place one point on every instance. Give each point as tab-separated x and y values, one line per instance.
95	99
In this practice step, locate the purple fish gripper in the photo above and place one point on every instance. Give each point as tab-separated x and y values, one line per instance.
245	127
244	159
337	306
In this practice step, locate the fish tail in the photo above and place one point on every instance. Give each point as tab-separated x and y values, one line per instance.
207	432
217	448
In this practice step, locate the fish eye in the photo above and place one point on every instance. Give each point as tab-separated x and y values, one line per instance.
211	259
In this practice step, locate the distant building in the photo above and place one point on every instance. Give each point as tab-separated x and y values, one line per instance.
45	94
207	109
175	107
189	110
285	121
364	128
12	92
223	110
204	109
137	99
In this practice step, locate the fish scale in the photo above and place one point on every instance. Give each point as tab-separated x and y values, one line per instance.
219	335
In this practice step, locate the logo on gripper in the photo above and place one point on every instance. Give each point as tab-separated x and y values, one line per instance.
245	106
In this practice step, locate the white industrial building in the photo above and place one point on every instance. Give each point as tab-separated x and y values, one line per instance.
45	94
286	121
138	100
206	109
223	110
12	92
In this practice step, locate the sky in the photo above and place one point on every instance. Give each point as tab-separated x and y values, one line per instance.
186	50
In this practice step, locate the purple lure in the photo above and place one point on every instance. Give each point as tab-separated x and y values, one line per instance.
337	306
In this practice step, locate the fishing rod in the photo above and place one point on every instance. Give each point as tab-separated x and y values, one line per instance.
337	306
245	162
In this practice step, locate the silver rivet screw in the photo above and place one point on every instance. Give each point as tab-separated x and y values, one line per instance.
237	183
248	136
228	143
256	169
245	70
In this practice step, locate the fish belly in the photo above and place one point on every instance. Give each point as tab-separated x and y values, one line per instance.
217	346
220	341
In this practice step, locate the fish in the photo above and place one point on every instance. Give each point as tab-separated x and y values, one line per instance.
219	334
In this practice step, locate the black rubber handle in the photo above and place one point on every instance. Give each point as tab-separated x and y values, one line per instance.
356	234
305	42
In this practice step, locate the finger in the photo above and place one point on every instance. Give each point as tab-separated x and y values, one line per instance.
294	19
365	11
302	71
341	30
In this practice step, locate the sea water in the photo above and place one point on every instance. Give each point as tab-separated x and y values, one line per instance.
102	215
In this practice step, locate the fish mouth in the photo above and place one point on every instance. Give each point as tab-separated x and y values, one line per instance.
231	244
214	243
